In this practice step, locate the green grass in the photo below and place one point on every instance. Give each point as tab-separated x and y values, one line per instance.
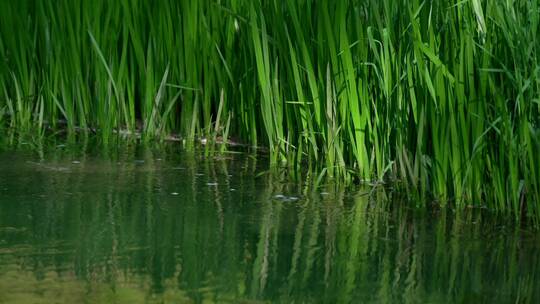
441	95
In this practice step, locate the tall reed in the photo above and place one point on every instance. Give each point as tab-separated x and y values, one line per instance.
441	94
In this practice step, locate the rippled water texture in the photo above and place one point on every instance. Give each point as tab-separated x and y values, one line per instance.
136	225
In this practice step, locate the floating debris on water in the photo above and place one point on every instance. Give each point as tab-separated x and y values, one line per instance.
284	198
49	167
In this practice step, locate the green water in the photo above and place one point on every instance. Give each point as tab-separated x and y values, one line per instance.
136	225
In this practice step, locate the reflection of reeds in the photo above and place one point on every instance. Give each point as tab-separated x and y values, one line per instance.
112	221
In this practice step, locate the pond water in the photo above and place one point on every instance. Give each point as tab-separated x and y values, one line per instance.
140	225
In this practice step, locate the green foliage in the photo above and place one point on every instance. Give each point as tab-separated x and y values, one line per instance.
441	94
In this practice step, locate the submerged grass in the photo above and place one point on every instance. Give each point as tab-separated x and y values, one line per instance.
443	95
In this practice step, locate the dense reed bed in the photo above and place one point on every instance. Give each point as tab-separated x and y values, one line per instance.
441	95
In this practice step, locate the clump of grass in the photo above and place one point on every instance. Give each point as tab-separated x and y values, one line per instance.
441	94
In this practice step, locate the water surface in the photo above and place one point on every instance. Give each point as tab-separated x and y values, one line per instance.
137	225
